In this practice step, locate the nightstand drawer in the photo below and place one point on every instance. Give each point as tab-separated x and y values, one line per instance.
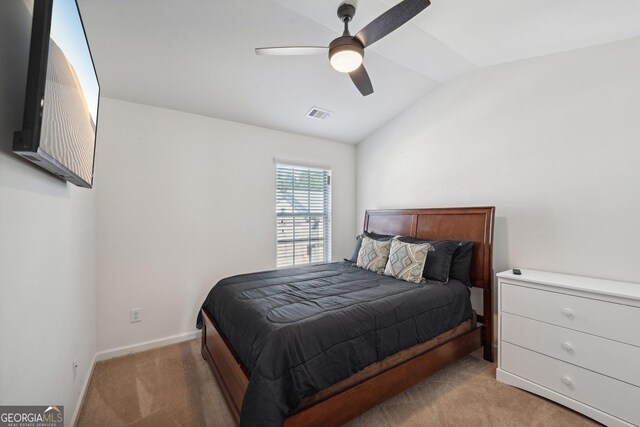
607	357
607	394
605	319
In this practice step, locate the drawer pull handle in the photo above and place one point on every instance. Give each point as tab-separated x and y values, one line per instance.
567	380
567	312
567	346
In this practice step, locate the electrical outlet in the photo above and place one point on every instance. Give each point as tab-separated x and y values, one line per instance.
135	315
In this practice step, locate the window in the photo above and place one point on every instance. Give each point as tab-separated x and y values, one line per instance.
303	215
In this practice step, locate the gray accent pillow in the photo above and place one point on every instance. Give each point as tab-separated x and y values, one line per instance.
461	263
373	254
407	260
356	250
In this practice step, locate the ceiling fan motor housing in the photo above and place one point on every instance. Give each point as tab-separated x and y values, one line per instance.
345	43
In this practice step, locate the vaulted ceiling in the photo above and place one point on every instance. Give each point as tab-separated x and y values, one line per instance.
198	56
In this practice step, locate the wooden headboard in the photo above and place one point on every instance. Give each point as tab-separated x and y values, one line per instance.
472	224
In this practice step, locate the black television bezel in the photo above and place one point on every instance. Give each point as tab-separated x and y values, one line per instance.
26	142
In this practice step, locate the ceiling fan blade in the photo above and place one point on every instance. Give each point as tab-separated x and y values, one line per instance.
391	20
362	81
292	50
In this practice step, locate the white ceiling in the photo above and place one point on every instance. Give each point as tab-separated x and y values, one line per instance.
197	55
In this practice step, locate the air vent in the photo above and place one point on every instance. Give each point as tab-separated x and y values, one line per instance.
319	113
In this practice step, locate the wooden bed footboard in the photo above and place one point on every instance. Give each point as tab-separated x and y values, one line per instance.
341	407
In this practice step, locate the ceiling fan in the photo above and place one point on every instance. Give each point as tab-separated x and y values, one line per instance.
346	52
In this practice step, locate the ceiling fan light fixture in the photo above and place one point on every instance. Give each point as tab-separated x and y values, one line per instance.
346	60
345	54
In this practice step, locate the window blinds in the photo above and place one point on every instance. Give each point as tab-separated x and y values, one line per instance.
303	215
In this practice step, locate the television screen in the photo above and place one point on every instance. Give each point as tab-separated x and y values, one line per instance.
60	132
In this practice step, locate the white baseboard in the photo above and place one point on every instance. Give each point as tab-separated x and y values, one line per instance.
122	351
143	346
83	392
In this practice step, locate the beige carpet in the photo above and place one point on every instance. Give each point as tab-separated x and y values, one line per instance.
173	386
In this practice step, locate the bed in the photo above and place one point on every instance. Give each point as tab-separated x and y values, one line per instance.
322	344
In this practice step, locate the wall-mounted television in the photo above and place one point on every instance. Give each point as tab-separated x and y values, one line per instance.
61	105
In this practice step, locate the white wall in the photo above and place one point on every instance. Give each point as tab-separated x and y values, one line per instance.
552	142
47	254
185	200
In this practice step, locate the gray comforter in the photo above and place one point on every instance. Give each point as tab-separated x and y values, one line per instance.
301	330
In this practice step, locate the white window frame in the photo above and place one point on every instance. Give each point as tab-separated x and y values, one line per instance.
326	215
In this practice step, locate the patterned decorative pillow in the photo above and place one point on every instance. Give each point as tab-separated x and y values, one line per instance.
373	254
406	260
356	249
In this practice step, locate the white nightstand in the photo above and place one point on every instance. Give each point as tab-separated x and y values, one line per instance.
574	340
